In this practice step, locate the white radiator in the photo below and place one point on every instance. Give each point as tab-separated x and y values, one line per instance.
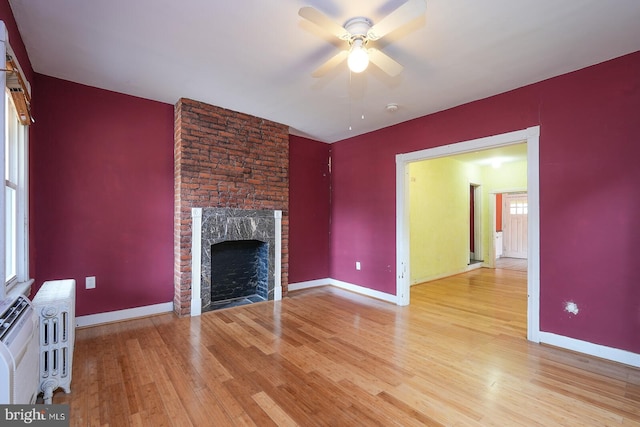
18	352
55	305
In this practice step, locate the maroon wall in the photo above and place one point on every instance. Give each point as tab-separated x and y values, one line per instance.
103	168
589	198
309	207
590	203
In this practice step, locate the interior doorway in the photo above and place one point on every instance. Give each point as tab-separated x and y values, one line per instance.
514	225
531	137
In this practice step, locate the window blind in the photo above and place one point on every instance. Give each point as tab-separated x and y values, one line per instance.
19	92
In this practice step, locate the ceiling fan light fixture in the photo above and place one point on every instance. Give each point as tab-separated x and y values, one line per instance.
358	31
358	59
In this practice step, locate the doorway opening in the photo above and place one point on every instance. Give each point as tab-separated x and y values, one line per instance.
529	136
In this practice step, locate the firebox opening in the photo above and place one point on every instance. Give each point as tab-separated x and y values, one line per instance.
239	273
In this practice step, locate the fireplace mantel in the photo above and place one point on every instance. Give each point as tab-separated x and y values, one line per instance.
214	225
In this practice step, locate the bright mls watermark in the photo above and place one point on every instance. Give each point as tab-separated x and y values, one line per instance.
34	415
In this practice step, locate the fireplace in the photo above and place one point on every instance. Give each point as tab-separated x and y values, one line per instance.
239	272
227	160
235	257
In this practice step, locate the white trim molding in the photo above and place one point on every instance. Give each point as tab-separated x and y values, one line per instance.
196	261
346	286
585	347
120	315
309	284
4	38
364	291
277	268
533	226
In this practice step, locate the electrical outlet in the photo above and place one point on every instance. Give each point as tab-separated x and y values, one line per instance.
90	282
357	265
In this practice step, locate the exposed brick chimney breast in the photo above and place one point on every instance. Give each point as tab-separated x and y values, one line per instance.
225	159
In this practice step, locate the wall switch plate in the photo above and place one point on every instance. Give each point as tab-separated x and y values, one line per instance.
90	282
357	265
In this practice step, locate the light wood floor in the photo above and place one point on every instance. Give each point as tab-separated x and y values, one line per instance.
519	264
457	356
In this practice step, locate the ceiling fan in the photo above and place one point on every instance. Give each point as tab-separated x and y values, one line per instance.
358	32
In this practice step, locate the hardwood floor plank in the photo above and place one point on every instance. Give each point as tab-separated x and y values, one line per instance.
389	413
243	389
457	356
174	406
411	399
298	409
209	410
275	412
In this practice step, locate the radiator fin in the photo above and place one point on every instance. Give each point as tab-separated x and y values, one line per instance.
55	304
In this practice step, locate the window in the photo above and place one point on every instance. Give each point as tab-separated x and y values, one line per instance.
11	138
14	235
518	208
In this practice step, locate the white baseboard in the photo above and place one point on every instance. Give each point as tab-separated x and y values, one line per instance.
364	291
442	276
597	350
117	316
343	285
308	284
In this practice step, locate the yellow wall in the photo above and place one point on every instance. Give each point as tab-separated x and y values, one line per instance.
439	212
439	217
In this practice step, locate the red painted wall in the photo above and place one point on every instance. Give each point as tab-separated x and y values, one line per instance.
589	140
309	208
103	167
590	127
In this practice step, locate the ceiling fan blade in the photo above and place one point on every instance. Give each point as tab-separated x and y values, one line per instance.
323	21
384	62
331	63
396	19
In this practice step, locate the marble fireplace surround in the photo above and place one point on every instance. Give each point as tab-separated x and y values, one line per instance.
214	225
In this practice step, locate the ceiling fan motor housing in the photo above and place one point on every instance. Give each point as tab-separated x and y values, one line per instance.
358	28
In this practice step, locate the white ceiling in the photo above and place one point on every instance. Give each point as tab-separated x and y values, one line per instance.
257	56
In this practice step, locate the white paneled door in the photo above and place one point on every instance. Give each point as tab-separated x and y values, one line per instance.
514	236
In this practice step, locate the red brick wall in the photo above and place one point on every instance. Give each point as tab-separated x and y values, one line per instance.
230	160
